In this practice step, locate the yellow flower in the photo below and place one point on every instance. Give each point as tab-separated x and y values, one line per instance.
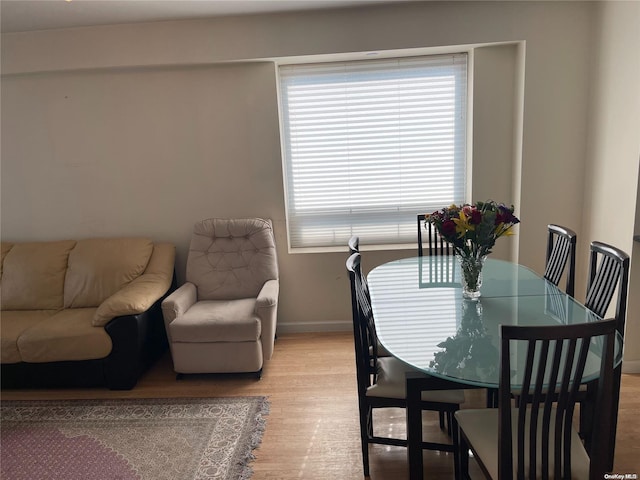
503	229
463	225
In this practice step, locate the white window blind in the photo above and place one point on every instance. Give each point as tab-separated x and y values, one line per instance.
370	144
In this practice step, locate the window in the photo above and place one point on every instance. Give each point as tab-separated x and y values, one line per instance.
368	145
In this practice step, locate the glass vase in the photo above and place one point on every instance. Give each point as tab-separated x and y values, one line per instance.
471	275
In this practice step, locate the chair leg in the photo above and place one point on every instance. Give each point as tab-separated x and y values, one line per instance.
462	471
453	428
365	425
365	457
587	415
446	421
492	398
614	417
414	428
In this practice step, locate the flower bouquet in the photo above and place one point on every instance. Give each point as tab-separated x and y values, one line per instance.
472	231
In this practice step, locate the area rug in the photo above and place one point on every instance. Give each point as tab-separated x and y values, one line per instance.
172	439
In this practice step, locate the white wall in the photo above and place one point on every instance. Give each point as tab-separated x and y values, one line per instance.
613	154
497	119
114	152
145	129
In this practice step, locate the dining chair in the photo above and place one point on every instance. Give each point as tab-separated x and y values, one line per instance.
561	248
386	388
436	244
536	438
354	247
608	274
608	271
381	351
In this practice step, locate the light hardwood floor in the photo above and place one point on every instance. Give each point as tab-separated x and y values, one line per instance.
312	429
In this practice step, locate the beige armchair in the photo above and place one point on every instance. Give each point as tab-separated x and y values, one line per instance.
223	319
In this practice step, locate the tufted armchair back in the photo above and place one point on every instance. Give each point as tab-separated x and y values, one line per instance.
231	258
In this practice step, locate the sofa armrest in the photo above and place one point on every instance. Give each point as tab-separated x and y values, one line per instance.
267	311
139	295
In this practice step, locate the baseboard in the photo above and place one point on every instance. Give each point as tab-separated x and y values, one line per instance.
314	327
631	366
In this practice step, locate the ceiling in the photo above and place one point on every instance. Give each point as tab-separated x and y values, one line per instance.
29	15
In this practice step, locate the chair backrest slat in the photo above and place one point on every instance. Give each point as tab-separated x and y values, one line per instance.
436	244
522	414
556	357
604	285
548	404
561	248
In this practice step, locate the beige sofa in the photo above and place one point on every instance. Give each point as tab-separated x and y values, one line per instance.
83	312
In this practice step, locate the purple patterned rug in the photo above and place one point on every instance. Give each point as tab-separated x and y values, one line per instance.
172	439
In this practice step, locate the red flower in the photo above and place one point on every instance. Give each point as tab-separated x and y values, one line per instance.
476	217
505	214
448	228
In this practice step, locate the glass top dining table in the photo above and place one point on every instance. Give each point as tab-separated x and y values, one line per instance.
423	320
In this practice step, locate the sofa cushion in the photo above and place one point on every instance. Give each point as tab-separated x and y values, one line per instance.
4	249
66	336
217	321
100	267
12	324
33	275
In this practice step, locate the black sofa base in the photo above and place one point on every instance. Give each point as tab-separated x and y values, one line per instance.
138	341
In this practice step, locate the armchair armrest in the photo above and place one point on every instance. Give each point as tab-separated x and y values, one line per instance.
178	302
267	311
139	295
268	295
